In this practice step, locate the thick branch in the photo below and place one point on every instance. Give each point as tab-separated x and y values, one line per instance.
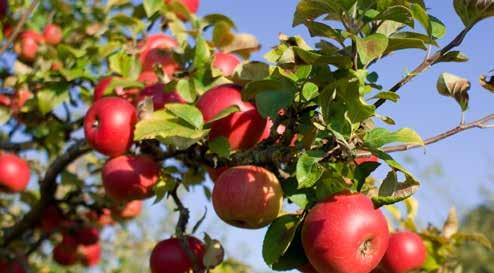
426	64
481	123
19	25
48	187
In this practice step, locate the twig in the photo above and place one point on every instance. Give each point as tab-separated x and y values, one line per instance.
428	62
480	123
19	25
9	146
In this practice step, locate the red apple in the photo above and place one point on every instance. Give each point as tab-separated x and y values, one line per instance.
148	78
128	178
109	125
191	5
52	34
406	252
99	90
247	197
87	235
362	160
308	268
90	255
127	211
345	234
100	218
162	57
27	48
65	252
225	62
242	129
12	266
14	173
51	219
5	100
219	98
159	96
214	174
168	256
8	29
159	40
21	97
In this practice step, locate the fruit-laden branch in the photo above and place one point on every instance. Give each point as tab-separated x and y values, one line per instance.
480	123
48	187
428	62
19	25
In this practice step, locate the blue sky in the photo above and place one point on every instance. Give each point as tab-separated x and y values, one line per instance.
465	159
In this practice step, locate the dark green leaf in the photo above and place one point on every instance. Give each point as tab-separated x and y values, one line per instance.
279	236
220	146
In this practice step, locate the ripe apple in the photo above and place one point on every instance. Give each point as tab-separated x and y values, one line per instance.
12	266
90	255
14	173
100	218
191	5
5	100
128	178
219	98
99	90
8	29
225	62
406	252
345	234
162	57
159	96
51	219
247	197
20	98
52	34
128	210
148	78
27	48
362	160
109	125
168	256
65	252
87	235
154	41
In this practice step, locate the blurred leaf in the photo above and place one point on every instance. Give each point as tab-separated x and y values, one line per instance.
152	6
214	253
450	226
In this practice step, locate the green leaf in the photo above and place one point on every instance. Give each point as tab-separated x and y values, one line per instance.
308	10
125	65
279	236
225	113
220	146
222	34
453	56
475	237
252	71
399	14
164	185
134	24
213	19
152	6
392	191
51	96
450	85
317	29
310	91
371	47
202	53
308	170
379	137
294	257
186	90
315	58
420	14
5	114
187	112
271	95
392	96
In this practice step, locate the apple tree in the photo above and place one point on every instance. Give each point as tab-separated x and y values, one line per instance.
118	101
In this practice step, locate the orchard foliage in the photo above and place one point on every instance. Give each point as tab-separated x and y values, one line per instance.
99	96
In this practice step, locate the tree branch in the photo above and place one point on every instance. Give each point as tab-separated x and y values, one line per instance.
427	63
480	123
19	25
9	146
48	187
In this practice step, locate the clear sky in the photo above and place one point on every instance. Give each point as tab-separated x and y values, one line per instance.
465	158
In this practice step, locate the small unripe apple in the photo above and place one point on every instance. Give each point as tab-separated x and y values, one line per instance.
87	235
242	129
220	98
109	125
14	173
159	96
247	197
52	34
127	211
406	252
51	219
191	5
65	252
168	256
148	78
225	62
90	255
345	234
13	266
128	178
